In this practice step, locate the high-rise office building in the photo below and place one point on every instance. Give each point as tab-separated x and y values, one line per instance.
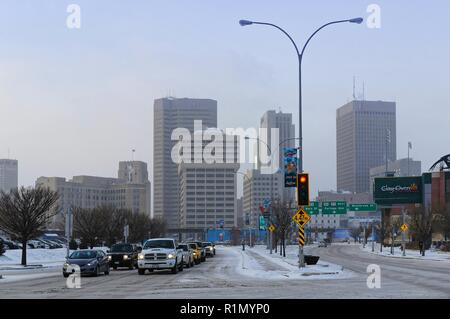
286	134
170	114
286	138
208	190
8	174
365	132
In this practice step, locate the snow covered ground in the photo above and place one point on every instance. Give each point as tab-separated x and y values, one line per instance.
41	257
410	254
257	262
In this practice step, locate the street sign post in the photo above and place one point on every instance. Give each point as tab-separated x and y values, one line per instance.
369	207
301	217
301	236
404	228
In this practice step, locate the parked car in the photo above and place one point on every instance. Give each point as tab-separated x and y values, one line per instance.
36	244
160	253
323	244
90	261
210	250
203	250
197	252
188	255
123	255
11	245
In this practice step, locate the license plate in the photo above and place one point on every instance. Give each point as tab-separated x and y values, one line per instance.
116	262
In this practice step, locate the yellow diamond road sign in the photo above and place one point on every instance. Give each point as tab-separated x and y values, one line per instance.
301	217
271	228
404	227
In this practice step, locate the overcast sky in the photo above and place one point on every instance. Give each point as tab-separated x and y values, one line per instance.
76	101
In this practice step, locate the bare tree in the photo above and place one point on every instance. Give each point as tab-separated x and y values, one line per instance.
355	232
441	220
88	226
140	227
114	220
25	213
157	227
283	217
421	221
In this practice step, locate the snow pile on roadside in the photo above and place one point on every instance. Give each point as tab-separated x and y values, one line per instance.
410	254
38	256
257	262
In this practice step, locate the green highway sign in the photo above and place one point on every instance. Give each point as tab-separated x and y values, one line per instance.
371	207
334	208
312	209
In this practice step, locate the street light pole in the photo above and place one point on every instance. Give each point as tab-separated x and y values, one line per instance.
300	58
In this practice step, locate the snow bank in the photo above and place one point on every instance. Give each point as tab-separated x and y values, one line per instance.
410	254
257	262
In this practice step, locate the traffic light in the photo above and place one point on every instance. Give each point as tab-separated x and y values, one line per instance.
303	189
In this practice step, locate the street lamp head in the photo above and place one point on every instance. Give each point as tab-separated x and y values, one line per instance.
356	20
245	22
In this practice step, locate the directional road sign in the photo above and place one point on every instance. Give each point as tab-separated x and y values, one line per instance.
404	227
370	207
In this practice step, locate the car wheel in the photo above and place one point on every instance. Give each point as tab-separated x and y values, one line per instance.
107	271
181	265
188	264
97	271
115	267
175	268
141	271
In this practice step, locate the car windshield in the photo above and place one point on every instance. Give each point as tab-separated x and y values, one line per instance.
83	255
193	246
206	244
184	247
160	243
120	248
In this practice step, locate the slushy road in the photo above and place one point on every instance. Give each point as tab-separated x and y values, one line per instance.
218	278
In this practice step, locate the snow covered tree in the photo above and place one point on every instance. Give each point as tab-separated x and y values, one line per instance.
25	213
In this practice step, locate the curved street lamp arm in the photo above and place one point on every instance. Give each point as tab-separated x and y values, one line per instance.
287	34
312	35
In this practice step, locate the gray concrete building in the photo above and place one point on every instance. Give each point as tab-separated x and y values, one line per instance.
8	174
169	114
286	138
208	190
131	190
362	129
258	187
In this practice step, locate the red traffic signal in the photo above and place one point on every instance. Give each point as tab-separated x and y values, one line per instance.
303	189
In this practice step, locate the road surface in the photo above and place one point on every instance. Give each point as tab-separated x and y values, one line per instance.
218	278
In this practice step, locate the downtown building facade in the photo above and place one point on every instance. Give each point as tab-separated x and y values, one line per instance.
365	138
257	188
8	175
284	138
170	114
130	190
208	185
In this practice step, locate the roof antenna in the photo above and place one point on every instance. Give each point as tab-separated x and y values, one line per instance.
354	80
364	92
132	154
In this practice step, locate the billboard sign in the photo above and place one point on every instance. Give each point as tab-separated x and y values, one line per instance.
398	190
290	167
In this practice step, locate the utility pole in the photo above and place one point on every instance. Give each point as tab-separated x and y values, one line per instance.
69	228
403	233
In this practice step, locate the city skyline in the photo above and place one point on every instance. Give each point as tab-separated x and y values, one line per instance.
250	70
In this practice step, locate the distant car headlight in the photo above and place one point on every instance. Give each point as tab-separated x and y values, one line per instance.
171	256
125	257
109	257
141	256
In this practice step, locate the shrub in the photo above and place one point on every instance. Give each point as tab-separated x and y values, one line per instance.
414	245
73	245
83	246
2	248
445	248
